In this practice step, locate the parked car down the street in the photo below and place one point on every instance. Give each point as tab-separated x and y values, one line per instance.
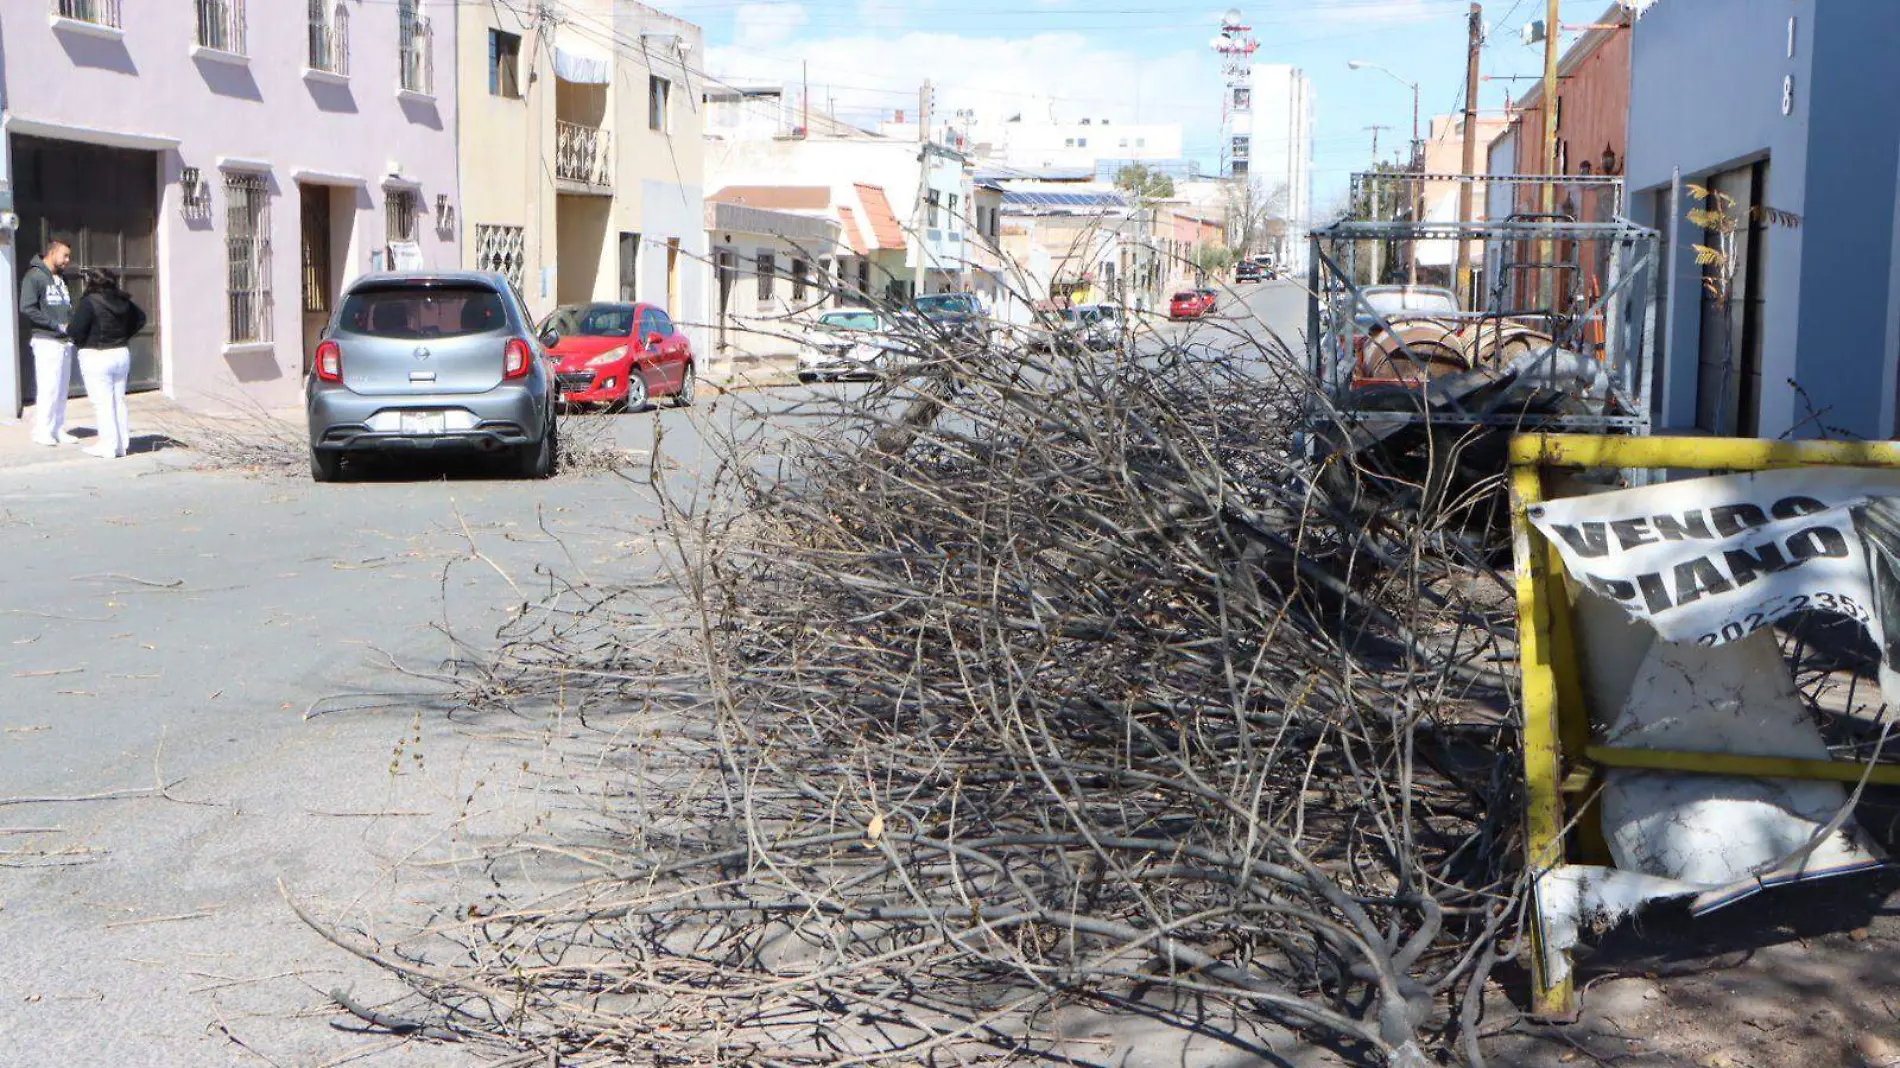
850	343
1186	304
417	361
958	314
620	354
1249	271
1095	326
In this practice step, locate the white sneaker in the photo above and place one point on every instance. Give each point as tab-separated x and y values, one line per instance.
67	437
46	441
101	451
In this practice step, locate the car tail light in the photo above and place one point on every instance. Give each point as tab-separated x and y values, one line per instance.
330	362
516	359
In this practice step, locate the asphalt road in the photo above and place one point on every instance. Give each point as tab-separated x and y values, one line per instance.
199	708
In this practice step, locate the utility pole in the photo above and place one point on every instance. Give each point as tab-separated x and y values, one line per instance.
1467	194
923	189
1547	250
1375	193
1375	140
1418	189
807	98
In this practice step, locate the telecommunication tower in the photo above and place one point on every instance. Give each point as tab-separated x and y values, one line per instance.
1236	46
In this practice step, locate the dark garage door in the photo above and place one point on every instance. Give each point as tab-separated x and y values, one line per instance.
105	200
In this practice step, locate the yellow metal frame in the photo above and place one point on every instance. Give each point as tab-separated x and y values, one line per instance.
1558	755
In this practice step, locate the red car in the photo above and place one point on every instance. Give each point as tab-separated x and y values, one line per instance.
624	354
1190	304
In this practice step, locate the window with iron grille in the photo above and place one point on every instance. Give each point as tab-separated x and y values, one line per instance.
933	205
768	268
329	37
401	207
247	252
801	271
221	25
97	12
501	249
412	39
504	64
659	99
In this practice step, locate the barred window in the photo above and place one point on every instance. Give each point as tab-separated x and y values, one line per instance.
221	25
329	37
933	202
247	251
768	268
414	53
501	249
801	271
402	207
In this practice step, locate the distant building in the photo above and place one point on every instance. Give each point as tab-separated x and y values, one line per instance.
581	155
1445	154
908	204
1267	140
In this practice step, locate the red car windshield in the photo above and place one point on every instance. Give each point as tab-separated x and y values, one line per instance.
592	320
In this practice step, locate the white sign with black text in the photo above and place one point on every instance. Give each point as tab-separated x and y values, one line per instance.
1712	560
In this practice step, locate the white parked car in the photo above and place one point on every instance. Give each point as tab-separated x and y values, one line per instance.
851	343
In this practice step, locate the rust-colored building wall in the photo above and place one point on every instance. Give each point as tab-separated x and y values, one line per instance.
1593	111
1593	108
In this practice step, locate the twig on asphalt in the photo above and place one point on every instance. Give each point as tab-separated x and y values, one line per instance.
395	1025
161	584
110	795
159	919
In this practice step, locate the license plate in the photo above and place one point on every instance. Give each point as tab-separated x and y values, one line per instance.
422	422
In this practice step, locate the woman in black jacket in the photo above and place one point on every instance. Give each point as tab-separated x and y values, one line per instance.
102	326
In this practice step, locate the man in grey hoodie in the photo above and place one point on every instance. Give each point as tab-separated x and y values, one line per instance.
47	306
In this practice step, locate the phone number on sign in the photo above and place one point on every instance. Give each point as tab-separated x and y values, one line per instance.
1773	611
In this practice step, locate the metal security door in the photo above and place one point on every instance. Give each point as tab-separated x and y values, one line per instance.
105	201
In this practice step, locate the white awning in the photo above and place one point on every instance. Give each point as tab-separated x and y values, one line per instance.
581	65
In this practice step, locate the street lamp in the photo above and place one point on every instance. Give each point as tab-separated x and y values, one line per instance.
1418	150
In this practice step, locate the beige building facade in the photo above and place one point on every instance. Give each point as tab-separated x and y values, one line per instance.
582	157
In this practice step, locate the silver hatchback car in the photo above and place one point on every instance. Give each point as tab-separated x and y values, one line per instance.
431	361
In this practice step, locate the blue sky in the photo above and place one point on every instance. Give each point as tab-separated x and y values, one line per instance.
1126	60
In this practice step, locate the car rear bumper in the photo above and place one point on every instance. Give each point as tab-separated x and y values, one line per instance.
508	416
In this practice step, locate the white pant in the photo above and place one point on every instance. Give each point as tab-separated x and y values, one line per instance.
105	372
52	378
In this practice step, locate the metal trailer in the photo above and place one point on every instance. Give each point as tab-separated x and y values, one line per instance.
1573	289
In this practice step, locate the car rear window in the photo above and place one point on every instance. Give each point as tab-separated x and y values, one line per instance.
849	321
1427	302
413	312
592	320
1187	296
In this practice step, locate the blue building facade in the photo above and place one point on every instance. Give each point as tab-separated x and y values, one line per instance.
1790	105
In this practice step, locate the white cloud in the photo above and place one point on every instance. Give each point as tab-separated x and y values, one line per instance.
757	26
872	74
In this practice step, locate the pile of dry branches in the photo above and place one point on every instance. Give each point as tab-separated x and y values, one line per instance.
1045	688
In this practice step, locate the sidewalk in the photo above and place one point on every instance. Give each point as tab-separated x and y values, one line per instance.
156	428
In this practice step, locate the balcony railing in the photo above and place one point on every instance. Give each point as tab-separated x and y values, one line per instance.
221	25
583	154
329	39
99	12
